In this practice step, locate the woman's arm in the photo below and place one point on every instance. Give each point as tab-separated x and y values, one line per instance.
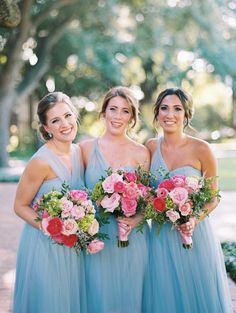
32	178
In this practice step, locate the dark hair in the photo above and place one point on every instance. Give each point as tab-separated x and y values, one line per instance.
128	95
183	96
48	102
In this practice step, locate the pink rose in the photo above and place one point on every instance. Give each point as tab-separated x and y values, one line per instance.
130	177
78	195
185	209
162	193
89	207
109	182
192	184
110	204
78	211
93	228
167	184
132	191
179	195
172	215
67	205
143	189
178	180
95	246
69	227
119	187
45	214
128	206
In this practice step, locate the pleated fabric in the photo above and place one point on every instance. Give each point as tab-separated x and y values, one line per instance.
179	280
114	276
49	277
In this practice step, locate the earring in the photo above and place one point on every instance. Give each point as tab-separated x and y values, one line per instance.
50	135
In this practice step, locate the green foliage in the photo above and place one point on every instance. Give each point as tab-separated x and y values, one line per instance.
229	250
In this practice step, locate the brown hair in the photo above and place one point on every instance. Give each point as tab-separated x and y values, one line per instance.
183	96
48	102
128	95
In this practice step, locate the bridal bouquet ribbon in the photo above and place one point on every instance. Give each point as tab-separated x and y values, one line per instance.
68	218
121	193
177	200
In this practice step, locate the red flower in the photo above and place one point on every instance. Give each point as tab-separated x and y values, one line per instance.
167	184
70	240
159	204
54	226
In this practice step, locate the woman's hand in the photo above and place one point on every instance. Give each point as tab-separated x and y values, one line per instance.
132	222
188	228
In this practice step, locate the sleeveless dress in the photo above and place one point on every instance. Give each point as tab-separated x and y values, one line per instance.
185	281
114	276
50	277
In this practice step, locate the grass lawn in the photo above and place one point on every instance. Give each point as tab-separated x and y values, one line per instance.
227	174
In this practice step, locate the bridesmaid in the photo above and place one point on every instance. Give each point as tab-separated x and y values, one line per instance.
49	277
183	281
115	277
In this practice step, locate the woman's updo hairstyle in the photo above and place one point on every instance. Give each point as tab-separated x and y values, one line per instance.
48	102
185	99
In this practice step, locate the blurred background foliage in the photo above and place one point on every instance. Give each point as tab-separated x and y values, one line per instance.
85	47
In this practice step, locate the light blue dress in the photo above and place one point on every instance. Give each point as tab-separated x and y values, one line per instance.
185	281
114	276
50	277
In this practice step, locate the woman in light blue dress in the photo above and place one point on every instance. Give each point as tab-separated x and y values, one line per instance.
115	276
179	280
49	277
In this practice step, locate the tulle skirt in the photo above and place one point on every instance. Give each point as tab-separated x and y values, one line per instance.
184	281
115	276
49	277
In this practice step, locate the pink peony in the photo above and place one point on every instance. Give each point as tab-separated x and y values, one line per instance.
162	193
185	209
78	195
78	211
95	246
69	227
109	182
93	228
119	187
172	215
128	206
131	191
130	177
179	195
110	204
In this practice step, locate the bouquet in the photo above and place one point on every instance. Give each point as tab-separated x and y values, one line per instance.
68	218
177	200
121	193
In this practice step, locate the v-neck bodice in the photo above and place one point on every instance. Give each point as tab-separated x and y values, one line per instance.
75	178
97	166
158	165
